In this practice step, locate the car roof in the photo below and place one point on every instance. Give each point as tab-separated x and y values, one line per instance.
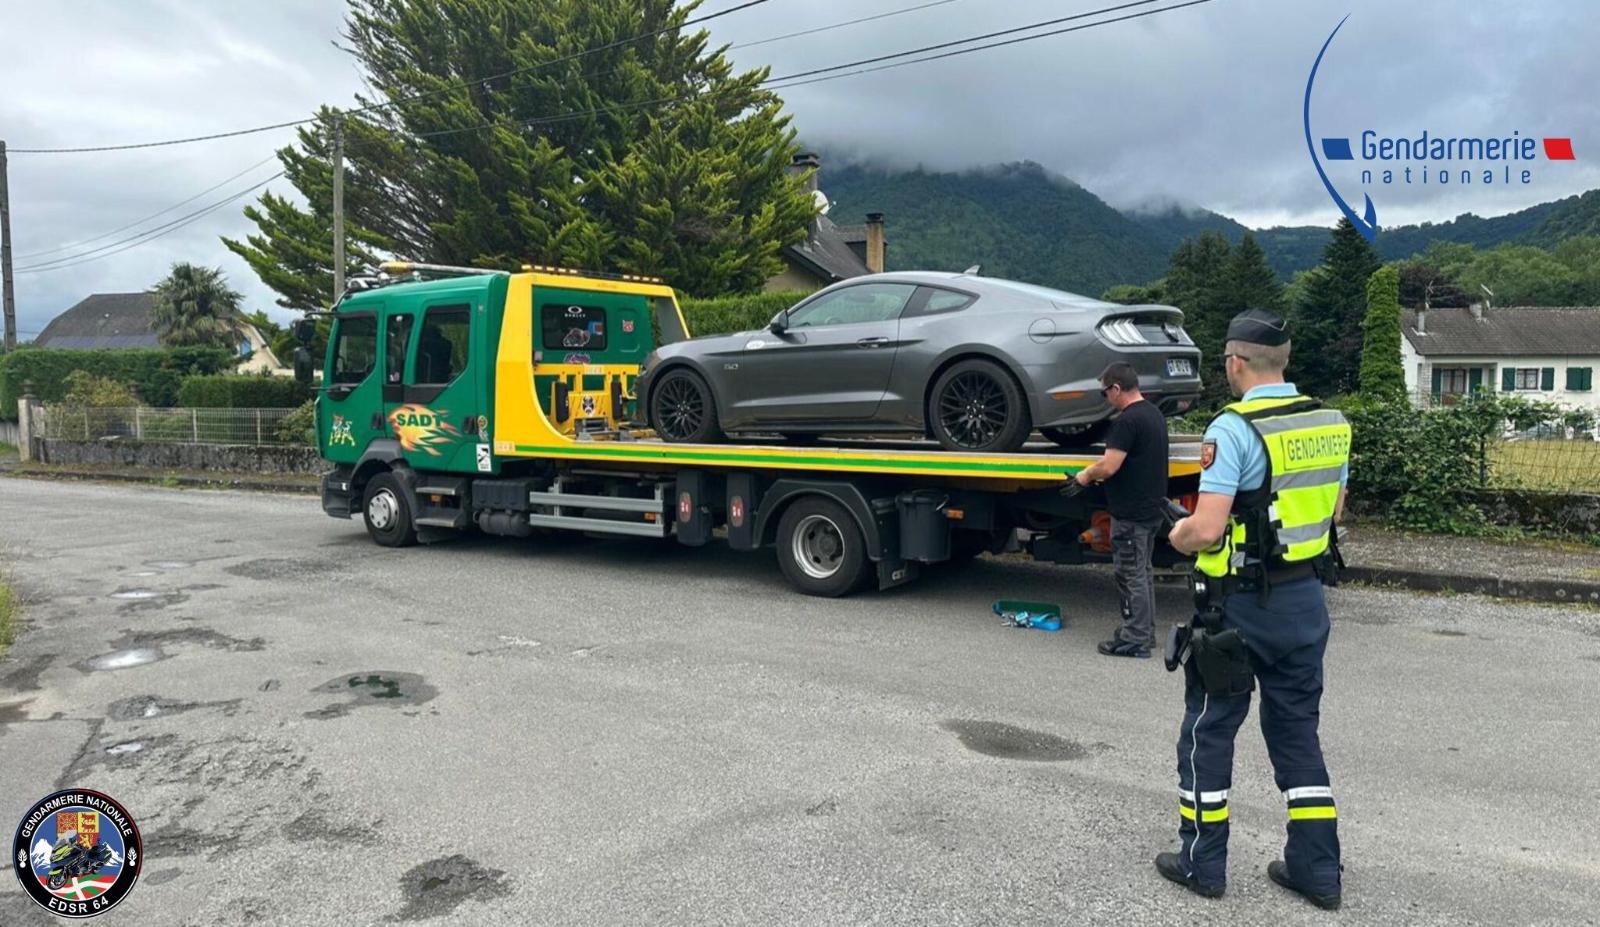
986	286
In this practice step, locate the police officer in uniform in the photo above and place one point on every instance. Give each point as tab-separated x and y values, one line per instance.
1275	464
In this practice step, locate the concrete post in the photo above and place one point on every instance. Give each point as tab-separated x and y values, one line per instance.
27	424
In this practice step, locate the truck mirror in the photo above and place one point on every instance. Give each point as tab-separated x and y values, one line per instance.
302	364
305	331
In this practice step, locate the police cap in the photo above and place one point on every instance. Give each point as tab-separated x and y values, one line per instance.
1259	326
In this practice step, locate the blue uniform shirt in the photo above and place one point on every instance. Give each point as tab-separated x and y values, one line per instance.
1240	462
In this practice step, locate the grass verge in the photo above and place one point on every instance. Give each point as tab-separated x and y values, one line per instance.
9	610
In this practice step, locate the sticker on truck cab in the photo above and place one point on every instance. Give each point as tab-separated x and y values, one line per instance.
484	460
419	428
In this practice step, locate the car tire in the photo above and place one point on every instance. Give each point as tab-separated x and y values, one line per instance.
386	512
1078	437
975	405
820	548
683	409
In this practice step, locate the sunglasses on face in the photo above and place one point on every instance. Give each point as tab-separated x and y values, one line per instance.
1105	391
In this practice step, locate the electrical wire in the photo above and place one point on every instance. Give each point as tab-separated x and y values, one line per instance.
154	215
146	236
840	25
458	85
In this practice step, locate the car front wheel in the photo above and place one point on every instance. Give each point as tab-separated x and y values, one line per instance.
976	406
682	409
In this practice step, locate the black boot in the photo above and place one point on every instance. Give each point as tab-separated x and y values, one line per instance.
1170	865
1278	872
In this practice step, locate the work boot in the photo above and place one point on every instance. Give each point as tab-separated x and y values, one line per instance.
1278	871
1117	647
1171	866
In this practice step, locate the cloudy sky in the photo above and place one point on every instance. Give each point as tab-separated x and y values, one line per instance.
1199	106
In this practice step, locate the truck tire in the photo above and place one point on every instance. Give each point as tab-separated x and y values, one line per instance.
820	548
387	514
976	406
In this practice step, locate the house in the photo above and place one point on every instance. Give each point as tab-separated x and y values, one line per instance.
127	320
1545	353
830	252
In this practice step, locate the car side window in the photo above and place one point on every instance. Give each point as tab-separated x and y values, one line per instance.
866	302
939	301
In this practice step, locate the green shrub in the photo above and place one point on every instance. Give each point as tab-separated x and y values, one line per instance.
213	391
299	426
154	374
725	314
1381	374
87	390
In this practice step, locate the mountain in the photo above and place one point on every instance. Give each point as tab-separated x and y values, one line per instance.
1021	220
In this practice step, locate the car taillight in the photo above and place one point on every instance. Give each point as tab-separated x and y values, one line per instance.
1122	332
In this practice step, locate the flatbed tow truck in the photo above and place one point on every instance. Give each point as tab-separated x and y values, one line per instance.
456	399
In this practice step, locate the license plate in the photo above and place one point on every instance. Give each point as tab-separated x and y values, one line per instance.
1179	367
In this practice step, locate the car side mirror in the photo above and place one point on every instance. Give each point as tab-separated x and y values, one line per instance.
779	323
305	331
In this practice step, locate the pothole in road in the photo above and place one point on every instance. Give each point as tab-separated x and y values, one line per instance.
1008	742
135	594
284	568
168	564
144	707
121	659
374	688
438	886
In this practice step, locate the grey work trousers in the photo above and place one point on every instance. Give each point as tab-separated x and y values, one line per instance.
1131	547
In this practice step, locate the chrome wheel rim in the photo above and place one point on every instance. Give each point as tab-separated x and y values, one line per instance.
973	409
818	546
383	509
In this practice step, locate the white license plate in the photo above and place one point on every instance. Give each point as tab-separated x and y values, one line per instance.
1179	367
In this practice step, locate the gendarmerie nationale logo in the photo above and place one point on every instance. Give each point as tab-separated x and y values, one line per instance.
77	853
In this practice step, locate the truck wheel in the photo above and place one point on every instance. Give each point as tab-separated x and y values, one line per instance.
682	409
1078	436
386	513
820	548
976	406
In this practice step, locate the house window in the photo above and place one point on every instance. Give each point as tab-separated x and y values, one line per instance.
1527	378
1453	381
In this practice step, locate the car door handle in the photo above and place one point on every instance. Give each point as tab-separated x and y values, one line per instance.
877	342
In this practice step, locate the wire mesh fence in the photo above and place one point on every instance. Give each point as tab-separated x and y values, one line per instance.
1537	445
275	427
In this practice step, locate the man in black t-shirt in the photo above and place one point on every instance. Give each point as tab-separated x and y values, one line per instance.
1134	471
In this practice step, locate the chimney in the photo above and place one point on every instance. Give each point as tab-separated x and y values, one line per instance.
877	245
1422	321
807	164
1477	311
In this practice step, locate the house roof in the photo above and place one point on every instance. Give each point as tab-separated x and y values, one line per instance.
827	253
1514	330
104	320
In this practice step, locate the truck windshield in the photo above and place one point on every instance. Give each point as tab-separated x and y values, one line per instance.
355	349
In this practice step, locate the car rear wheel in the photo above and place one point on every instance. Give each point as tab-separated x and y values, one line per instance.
1078	436
682	409
976	406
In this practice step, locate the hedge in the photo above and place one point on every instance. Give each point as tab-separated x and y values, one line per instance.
154	373
241	392
724	314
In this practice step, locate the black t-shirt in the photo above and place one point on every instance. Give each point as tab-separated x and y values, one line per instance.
1135	492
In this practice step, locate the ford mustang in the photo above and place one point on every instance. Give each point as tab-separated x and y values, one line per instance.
976	363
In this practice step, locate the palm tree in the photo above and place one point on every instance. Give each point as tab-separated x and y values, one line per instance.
196	307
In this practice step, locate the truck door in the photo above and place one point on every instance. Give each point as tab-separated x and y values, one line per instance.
438	424
350	409
396	331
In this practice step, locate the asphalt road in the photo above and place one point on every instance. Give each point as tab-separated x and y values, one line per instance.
601	732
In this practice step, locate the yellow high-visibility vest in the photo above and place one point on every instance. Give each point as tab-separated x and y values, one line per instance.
1307	447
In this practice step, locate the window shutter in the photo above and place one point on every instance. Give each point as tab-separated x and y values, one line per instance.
1438	383
1573	376
1474	379
1585	378
1508	379
1547	378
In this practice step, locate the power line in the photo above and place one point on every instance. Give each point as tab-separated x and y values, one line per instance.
848	22
146	236
154	215
458	85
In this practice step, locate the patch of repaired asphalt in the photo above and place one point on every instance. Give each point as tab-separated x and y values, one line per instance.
137	648
271	568
373	688
314	825
437	887
1008	742
142	707
24	677
161	876
181	841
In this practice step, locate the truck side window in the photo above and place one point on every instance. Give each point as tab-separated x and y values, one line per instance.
355	349
394	347
442	345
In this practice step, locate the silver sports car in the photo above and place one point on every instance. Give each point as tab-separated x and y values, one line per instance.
973	362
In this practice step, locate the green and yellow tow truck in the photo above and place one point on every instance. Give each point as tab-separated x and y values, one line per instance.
456	399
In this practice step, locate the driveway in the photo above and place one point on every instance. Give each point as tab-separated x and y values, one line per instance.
310	730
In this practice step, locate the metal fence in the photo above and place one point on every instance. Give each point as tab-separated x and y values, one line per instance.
1554	451
280	427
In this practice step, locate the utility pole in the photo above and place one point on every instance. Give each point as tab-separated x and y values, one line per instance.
338	207
7	293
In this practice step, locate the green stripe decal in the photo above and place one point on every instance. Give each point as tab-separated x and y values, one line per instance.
666	456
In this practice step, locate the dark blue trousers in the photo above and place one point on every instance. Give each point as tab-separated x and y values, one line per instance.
1287	638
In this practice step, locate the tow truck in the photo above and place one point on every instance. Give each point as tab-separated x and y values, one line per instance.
457	399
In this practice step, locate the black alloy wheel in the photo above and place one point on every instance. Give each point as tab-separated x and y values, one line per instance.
682	410
977	407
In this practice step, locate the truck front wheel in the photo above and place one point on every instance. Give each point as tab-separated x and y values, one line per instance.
820	548
387	514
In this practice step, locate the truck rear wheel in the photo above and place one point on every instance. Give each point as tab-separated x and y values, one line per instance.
387	514
820	548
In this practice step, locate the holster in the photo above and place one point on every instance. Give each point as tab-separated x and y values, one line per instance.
1219	661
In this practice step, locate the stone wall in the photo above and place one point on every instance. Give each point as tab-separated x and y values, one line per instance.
1562	513
238	458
